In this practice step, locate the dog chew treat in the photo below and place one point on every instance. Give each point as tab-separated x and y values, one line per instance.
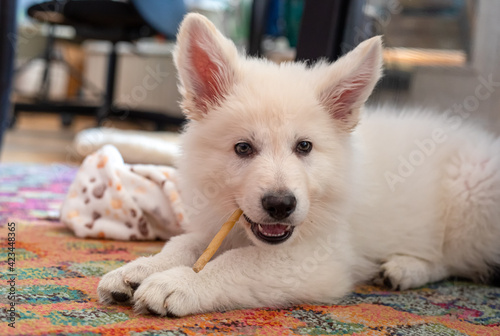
217	241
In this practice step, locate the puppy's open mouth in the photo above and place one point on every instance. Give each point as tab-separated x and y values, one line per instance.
270	233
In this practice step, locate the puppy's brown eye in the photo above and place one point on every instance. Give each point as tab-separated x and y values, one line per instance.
304	147
243	149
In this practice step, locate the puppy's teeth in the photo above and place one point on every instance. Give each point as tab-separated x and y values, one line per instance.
287	228
261	229
272	234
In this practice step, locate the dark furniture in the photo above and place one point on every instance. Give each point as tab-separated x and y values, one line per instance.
323	31
7	46
115	22
258	21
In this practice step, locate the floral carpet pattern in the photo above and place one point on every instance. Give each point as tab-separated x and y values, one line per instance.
56	275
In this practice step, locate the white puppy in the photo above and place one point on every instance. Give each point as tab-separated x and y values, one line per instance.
330	199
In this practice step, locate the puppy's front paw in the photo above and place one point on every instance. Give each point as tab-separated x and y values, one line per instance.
118	286
403	272
171	293
389	277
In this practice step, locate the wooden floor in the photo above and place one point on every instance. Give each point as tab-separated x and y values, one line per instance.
41	138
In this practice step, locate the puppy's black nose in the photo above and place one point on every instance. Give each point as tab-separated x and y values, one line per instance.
279	206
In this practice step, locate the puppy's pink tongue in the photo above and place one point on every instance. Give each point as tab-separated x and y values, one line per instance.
274	229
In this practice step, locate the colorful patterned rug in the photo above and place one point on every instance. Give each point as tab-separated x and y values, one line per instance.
56	276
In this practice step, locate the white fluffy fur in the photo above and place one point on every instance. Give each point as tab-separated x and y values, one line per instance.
357	216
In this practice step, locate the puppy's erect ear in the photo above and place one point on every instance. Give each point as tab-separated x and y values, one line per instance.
350	81
206	63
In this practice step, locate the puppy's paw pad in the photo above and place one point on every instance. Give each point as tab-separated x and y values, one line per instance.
403	272
153	312
166	313
120	297
171	315
387	279
134	285
112	288
390	283
118	286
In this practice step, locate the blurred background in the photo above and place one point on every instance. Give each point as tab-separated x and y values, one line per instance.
83	73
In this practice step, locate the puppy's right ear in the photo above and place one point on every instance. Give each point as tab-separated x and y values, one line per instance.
206	63
350	81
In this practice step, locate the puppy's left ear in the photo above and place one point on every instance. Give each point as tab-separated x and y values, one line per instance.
206	62
350	81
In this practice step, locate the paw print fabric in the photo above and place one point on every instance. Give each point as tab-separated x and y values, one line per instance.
113	200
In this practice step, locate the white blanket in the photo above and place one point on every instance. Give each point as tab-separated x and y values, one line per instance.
113	200
135	146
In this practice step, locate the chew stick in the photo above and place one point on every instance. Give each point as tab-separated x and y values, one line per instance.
217	241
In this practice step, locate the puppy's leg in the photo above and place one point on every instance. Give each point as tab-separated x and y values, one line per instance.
472	186
471	217
120	284
244	278
402	272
